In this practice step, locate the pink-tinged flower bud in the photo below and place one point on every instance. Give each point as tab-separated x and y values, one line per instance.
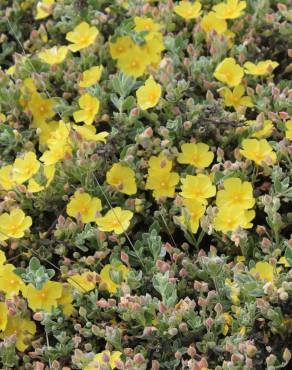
209	322
183	327
12	311
148	132
270	18
249	363
283	115
203	363
34	34
282	7
39	365
68	156
162	308
102	303
201	253
124	257
175	111
148	330
155	365
272	115
139	359
183	273
187	125
168	247
236	357
61	220
275	92
202	302
38	316
218	308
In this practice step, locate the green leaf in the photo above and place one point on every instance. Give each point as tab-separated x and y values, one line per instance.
34	264
288	255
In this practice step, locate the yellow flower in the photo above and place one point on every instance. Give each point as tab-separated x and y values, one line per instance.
66	300
61	135
45	132
91	76
288	127
261	68
159	163
116	220
41	108
83	206
44	9
236	193
233	290
265	131
210	22
149	94
6	181
58	143
23	328
121	47
2	258
192	214
2	118
258	151
14	225
197	155
10	283
230	218
27	88
264	271
229	72
82	36
283	261
84	282
227	323
187	9
230	10
35	187
89	108
152	49
133	62
3	316
24	168
146	24
99	360
45	298
235	98
89	133
162	183
55	55
55	154
106	276
122	178
197	187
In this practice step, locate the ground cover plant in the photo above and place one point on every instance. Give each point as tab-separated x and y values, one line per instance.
145	184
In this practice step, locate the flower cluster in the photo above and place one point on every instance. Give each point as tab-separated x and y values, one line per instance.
145	184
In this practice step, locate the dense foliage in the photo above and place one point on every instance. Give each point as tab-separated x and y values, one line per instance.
145	197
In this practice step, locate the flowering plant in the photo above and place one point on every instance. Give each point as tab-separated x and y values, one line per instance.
145	171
